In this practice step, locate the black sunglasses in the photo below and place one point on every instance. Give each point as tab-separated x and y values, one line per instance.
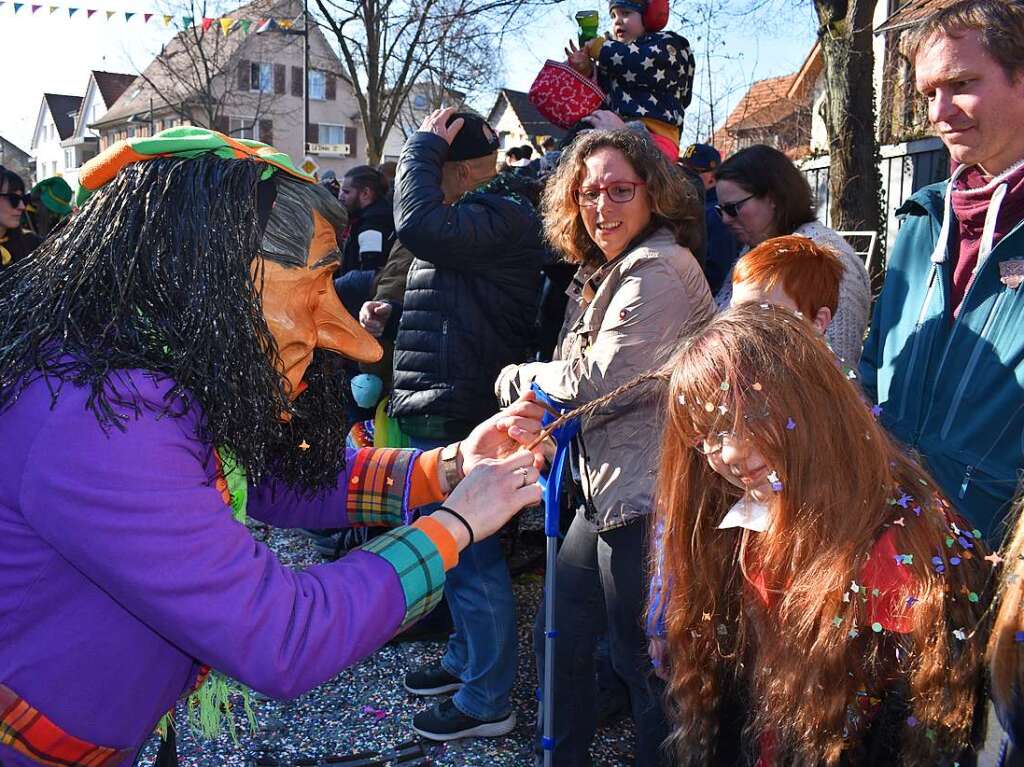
732	209
15	197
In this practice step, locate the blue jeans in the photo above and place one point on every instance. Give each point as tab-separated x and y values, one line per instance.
482	648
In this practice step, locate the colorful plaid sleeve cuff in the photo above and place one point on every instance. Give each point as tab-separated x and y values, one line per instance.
378	487
418	563
30	733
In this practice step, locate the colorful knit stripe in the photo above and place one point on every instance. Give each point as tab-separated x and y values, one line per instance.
185	142
30	733
419	567
378	487
360	435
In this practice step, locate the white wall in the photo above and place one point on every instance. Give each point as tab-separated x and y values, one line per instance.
46	148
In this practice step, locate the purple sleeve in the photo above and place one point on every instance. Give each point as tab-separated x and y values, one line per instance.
135	512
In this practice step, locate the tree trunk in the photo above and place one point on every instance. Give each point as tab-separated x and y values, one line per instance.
855	187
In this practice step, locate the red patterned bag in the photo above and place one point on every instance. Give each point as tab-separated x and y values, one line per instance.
563	95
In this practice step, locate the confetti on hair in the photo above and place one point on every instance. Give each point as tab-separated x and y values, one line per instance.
904	559
876	410
773	477
304	445
954	561
995	559
912	721
939	564
973	597
838	621
724	386
757	386
876	627
911	601
853	633
854	587
1018	637
682	399
959	634
709	406
899	521
790	424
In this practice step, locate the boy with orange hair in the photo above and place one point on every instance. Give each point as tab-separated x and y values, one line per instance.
794	272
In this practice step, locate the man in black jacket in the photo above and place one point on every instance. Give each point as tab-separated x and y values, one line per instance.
371	233
470	304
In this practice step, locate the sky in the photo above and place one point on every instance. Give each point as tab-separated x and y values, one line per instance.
54	52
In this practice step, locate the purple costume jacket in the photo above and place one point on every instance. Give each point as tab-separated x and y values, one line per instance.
122	570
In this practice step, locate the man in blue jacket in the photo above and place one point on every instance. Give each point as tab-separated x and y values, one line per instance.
470	303
945	354
721	249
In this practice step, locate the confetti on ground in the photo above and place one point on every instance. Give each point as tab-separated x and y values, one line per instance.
341	717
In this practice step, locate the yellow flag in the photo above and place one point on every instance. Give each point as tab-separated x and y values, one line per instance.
167	20
225	25
110	14
285	23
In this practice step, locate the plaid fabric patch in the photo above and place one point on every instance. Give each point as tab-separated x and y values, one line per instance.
378	487
30	733
418	564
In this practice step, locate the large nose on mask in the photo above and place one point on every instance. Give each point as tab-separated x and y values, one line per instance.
338	331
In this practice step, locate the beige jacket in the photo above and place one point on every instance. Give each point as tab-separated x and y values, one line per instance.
623	319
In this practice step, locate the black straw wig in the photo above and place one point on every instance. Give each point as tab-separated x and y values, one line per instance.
155	273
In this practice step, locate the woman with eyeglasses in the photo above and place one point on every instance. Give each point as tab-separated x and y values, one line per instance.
617	209
15	242
762	194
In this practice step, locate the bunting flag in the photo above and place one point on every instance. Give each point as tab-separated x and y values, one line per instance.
227	24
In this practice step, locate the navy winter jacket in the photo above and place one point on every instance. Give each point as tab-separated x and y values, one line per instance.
649	77
473	289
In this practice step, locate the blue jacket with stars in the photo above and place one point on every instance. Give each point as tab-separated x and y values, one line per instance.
650	77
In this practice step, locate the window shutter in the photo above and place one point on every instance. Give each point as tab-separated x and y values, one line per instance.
296	81
244	74
351	136
220	123
332	89
279	74
267	131
313	133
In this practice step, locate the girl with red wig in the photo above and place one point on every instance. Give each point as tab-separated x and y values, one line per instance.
820	600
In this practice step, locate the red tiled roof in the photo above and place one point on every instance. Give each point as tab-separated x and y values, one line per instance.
763	105
911	13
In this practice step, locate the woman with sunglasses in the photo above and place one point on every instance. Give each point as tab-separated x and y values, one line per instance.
617	209
15	242
762	194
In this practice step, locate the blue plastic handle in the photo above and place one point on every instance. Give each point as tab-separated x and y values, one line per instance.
563	440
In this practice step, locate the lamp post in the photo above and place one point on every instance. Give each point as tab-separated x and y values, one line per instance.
304	32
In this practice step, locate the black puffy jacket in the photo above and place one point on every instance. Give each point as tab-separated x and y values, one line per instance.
473	288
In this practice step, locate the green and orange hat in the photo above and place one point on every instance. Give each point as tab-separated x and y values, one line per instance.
184	142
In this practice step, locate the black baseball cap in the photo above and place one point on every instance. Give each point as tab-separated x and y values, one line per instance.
475	139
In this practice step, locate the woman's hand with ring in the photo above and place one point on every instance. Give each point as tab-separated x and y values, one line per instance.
490	496
504	433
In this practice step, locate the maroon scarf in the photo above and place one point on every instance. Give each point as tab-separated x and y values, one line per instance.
970	198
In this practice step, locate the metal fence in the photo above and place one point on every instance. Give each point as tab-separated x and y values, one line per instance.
905	168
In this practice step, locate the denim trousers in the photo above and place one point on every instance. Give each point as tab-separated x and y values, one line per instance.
482	649
600	587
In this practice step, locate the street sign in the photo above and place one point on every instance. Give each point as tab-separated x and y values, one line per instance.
309	166
338	149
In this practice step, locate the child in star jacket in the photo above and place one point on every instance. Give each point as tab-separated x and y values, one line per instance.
646	74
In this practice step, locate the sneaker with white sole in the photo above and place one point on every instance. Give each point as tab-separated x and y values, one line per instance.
445	722
431	680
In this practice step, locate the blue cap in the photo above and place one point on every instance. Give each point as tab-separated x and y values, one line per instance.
633	5
701	158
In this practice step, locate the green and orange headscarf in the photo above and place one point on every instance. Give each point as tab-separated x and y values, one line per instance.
185	142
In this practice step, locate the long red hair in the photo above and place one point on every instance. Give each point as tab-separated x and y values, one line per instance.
762	372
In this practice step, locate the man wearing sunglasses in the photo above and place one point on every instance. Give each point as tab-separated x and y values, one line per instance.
15	241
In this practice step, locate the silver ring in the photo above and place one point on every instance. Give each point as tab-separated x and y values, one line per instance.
524	472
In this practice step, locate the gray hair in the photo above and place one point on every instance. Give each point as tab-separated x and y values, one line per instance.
289	230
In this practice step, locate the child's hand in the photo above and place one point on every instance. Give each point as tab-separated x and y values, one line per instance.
578	59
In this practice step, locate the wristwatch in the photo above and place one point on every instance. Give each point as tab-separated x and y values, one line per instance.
450	465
